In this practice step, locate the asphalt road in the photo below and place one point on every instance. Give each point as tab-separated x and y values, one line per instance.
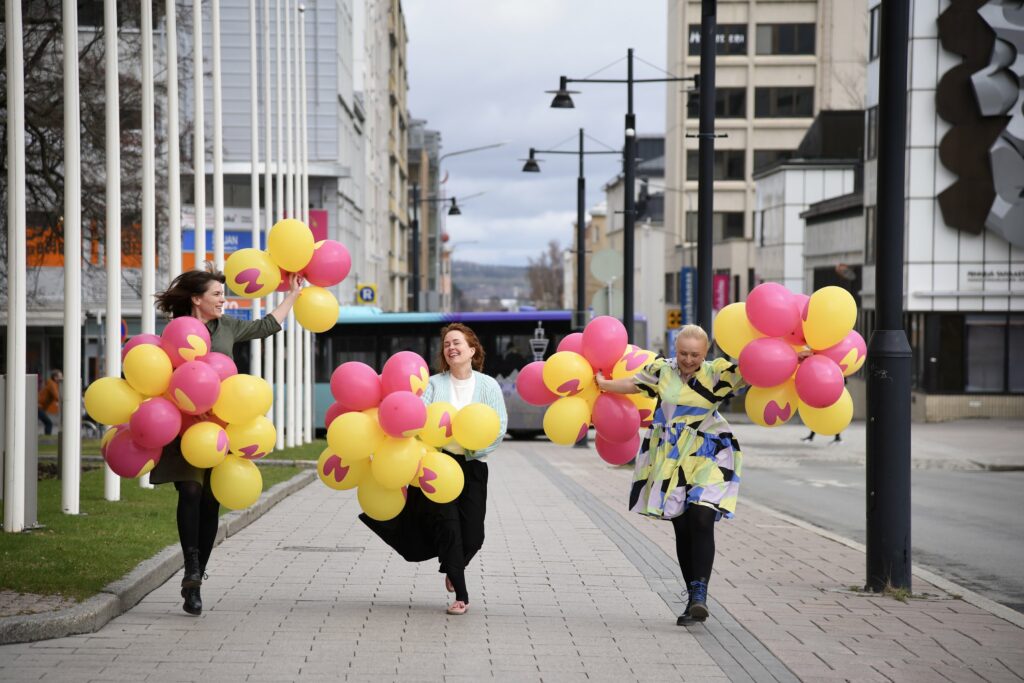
966	525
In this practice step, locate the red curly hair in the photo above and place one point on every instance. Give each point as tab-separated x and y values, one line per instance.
471	339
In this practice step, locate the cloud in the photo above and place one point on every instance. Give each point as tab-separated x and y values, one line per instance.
509	241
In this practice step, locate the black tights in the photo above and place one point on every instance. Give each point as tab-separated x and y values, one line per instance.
695	542
198	514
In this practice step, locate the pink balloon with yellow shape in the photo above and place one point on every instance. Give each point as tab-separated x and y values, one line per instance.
849	354
402	414
194	388
185	339
329	265
405	371
127	458
340	474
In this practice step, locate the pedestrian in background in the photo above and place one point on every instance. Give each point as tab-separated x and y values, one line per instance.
689	466
49	400
200	294
452	532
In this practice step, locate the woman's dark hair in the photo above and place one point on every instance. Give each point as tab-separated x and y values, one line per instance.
478	357
176	301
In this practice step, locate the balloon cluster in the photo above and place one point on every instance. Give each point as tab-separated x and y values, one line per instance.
565	383
291	249
174	386
381	437
768	333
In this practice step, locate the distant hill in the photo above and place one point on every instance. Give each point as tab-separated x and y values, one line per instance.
482	281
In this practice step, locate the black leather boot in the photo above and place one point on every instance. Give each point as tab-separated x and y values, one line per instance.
191	582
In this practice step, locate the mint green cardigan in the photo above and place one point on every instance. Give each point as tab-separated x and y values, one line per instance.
486	391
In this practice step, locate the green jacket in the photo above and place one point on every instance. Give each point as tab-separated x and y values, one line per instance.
227	331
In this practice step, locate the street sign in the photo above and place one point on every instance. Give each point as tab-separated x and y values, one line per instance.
673	318
366	293
688	294
607	301
719	291
606	265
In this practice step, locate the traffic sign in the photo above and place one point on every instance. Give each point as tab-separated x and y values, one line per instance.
366	293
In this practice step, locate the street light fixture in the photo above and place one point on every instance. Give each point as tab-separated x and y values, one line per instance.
453	210
532	166
563	100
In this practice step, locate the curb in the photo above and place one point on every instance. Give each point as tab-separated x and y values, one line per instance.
920	571
121	595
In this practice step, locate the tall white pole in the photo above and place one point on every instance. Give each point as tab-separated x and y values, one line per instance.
148	184
112	112
198	134
279	357
71	399
268	179
173	143
14	435
255	347
290	187
218	143
307	336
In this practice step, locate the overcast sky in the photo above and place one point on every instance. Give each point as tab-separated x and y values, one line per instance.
478	72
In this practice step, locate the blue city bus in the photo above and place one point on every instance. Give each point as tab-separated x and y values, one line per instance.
510	340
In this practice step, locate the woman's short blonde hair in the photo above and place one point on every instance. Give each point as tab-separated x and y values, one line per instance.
693	332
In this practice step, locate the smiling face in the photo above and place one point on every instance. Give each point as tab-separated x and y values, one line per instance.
690	353
458	354
210	305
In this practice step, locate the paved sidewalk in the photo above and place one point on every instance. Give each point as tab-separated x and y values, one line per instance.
569	586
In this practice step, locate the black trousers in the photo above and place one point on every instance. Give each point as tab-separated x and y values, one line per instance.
471	506
198	516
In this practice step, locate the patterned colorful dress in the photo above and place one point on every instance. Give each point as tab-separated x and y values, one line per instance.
689	454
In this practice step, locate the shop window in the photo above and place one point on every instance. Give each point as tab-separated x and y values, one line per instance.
985	353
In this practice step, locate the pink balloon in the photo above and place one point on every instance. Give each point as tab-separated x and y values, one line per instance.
572	342
126	457
848	363
402	414
137	340
194	387
819	381
185	339
795	337
617	453
356	386
221	363
772	310
334	410
330	264
155	423
767	362
530	384
604	342
615	418
405	371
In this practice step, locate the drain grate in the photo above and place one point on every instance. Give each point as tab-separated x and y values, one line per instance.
323	549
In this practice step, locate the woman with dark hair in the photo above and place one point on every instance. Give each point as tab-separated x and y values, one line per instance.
452	532
200	294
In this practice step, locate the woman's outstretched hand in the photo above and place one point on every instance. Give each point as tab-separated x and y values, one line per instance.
295	283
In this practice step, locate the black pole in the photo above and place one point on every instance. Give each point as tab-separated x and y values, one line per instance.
706	161
414	255
629	212
889	356
581	245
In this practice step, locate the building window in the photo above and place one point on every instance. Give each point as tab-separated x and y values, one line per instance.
672	288
725	225
730	103
871	132
760	223
730	39
985	352
766	157
870	234
785	39
771	103
729	164
874	23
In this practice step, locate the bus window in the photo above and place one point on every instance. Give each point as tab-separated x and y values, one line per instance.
416	344
512	352
346	347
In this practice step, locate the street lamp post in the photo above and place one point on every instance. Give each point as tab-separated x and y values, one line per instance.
532	166
563	100
414	227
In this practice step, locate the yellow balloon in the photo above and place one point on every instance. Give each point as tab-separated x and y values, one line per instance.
395	461
316	309
566	420
476	426
243	398
829	420
148	369
646	405
290	244
253	439
236	483
771	406
567	373
831	313
732	329
339	473
354	436
632	361
590	394
204	444
438	430
251	273
377	502
111	400
440	478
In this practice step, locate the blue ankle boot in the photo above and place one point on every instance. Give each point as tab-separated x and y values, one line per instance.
697	608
